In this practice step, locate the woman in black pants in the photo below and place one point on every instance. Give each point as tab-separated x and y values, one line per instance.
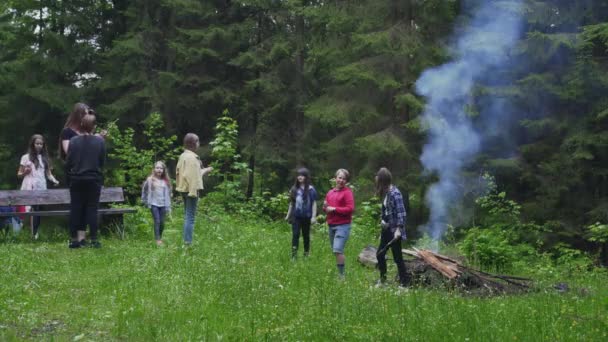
302	211
84	163
393	225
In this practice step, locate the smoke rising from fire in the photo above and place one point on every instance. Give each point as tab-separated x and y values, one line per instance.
480	49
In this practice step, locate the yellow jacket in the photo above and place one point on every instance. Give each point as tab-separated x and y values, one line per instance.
188	174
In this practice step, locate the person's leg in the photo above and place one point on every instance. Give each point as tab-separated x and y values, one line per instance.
331	234
162	213
385	237
35	222
156	217
306	235
404	277
295	237
92	207
76	210
189	213
341	236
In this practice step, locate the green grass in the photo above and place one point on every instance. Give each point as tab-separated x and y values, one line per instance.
237	282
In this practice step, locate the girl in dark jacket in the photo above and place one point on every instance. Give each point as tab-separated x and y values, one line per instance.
393	225
302	211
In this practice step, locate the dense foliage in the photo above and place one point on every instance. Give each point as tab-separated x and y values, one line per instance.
324	84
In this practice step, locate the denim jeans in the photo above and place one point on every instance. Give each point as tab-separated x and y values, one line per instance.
189	215
158	213
338	235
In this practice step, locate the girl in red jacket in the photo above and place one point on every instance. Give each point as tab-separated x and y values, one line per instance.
339	205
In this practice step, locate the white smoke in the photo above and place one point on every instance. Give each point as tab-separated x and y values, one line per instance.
480	51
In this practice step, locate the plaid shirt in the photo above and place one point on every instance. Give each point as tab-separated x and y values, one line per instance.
393	211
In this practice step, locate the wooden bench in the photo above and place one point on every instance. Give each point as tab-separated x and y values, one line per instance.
59	197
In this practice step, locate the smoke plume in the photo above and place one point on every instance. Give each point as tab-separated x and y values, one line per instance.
480	51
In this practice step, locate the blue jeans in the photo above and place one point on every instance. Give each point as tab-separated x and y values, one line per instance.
190	204
158	213
338	235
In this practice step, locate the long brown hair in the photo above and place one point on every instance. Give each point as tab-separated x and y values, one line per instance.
33	155
75	117
383	182
164	176
74	121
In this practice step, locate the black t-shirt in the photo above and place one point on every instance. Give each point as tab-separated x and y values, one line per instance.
86	157
66	134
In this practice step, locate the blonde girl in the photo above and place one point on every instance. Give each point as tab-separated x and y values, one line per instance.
156	195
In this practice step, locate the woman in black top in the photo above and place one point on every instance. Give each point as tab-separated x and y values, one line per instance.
72	127
84	164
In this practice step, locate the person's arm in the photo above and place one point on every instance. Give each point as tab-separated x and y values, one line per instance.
206	170
52	178
288	212
399	215
167	199
144	192
313	198
349	204
23	171
399	208
25	167
102	156
65	144
69	161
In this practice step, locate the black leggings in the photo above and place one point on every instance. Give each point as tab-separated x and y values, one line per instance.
385	238
84	204
35	220
300	224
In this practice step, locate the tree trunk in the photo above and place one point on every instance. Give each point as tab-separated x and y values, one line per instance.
251	180
299	83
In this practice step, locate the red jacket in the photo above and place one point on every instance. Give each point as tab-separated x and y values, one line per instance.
344	203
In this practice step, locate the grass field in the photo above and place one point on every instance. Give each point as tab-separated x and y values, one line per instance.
237	282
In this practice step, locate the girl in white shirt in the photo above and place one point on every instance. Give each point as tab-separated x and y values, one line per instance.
35	168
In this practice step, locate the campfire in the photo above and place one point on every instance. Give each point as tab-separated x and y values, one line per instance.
431	269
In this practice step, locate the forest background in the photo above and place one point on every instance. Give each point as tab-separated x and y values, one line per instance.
326	85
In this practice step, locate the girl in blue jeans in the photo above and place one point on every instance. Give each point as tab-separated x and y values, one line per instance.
156	195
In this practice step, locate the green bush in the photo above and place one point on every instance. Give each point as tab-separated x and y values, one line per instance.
487	248
137	162
227	163
367	218
569	259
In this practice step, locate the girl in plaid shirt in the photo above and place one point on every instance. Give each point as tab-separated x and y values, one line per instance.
393	225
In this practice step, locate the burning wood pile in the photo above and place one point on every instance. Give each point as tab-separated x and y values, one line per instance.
431	269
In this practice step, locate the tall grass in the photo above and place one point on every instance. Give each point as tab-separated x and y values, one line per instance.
237	282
